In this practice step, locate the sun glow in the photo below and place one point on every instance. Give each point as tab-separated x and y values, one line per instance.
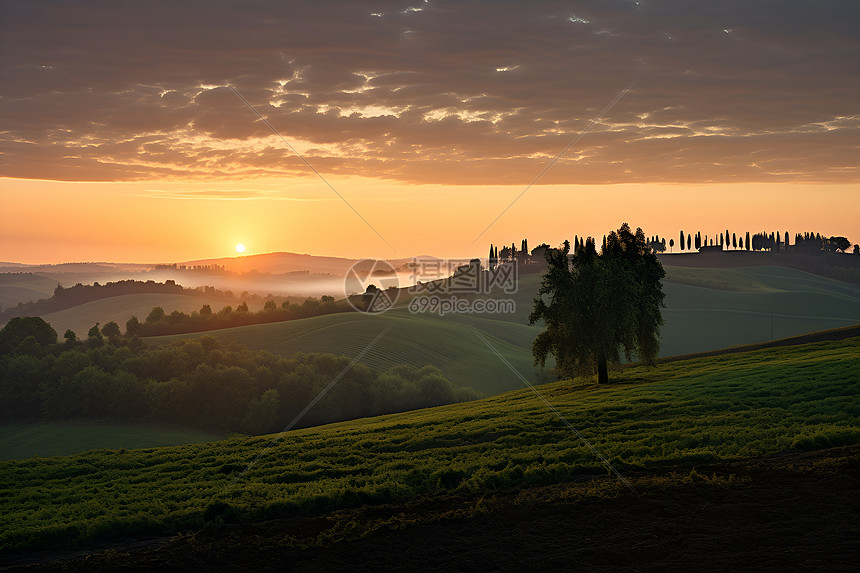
240	248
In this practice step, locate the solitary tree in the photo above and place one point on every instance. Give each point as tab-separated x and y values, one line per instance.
594	305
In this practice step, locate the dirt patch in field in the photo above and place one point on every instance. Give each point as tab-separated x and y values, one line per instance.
785	512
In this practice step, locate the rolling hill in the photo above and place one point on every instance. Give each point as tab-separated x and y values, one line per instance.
120	308
24	287
652	425
707	309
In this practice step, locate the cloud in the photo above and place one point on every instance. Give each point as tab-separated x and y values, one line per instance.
228	194
477	92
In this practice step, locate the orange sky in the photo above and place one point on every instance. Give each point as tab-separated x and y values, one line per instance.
168	135
50	221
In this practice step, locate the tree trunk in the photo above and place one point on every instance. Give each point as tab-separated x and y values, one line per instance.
602	372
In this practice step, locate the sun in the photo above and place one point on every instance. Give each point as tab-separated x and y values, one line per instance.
240	248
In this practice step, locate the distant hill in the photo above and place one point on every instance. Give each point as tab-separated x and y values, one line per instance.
839	266
283	274
62	298
89	268
278	263
22	287
120	308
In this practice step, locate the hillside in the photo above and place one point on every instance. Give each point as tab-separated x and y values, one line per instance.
120	308
445	342
653	425
707	309
838	266
765	303
23	287
776	513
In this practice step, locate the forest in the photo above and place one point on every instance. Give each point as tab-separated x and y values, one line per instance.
200	383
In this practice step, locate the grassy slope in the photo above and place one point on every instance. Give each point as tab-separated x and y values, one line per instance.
699	318
446	342
62	438
696	411
722	308
120	308
15	288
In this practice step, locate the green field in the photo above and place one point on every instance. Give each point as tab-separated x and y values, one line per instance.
687	412
724	307
62	438
763	303
446	342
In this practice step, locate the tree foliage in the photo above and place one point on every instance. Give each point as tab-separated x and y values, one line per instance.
200	383
20	328
595	306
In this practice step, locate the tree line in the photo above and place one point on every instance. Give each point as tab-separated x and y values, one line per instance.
158	322
64	297
511	254
199	383
809	243
67	297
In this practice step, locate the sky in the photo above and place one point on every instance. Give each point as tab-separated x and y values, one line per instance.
165	131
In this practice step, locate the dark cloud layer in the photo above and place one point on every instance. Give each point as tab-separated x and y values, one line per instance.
438	91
